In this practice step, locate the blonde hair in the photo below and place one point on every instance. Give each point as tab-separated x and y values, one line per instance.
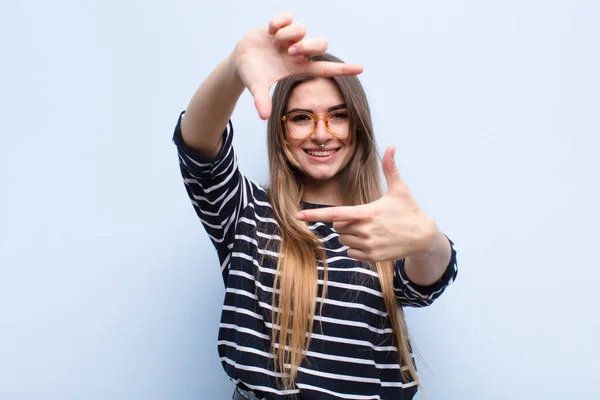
294	304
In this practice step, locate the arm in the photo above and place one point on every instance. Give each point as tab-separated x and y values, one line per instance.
210	108
395	228
217	189
416	288
427	269
261	58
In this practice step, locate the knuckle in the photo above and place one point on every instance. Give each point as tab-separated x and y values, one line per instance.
376	212
370	231
371	215
277	21
280	34
369	256
370	244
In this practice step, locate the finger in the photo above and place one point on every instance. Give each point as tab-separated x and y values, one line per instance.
353	242
359	255
262	101
279	21
309	47
328	68
371	256
290	34
333	214
356	228
395	184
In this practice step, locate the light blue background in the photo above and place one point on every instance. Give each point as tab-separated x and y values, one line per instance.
109	288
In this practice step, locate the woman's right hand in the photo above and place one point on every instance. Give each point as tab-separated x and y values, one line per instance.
279	50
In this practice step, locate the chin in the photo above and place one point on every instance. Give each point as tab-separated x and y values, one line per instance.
322	171
320	175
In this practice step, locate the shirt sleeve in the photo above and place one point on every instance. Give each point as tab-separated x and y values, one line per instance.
217	190
413	295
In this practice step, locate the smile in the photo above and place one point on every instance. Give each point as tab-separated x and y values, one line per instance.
321	153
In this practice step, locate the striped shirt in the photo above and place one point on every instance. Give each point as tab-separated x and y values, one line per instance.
351	353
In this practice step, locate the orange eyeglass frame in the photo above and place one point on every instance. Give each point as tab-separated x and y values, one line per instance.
315	118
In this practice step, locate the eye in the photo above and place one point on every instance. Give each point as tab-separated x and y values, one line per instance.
300	117
340	115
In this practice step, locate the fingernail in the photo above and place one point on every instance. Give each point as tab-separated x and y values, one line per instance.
300	215
274	42
293	50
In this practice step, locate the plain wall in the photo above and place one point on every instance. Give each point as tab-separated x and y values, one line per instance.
109	287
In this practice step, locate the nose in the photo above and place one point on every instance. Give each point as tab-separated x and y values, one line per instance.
321	135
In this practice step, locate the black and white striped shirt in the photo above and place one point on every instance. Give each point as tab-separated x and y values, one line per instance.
351	354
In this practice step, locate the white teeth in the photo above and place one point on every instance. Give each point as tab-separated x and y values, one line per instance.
321	153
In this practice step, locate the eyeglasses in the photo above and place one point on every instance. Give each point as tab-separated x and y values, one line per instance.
302	124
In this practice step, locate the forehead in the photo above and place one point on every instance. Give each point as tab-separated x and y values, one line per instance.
318	95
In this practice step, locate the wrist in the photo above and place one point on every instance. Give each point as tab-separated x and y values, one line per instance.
431	245
231	71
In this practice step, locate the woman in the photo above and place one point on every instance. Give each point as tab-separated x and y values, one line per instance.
315	264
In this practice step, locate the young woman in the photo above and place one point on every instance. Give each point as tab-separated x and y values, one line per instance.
317	264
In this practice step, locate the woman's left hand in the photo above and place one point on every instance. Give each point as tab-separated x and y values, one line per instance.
391	228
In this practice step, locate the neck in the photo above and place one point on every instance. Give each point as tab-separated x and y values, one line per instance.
322	192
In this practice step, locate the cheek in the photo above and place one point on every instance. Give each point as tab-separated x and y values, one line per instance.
295	152
350	150
296	148
294	145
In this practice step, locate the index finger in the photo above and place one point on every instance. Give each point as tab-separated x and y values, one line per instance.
330	68
333	214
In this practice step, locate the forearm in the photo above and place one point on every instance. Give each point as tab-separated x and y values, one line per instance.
427	269
211	107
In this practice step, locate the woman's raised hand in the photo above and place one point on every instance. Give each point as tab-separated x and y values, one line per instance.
279	50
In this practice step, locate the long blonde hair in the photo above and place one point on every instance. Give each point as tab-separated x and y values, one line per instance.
294	303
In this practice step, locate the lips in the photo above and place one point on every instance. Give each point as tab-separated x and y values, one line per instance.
320	152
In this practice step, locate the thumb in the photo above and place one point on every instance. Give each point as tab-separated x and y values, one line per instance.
392	175
262	101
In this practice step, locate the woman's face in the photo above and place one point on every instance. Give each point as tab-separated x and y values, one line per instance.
322	155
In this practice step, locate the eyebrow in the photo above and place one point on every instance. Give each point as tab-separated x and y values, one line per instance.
330	109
